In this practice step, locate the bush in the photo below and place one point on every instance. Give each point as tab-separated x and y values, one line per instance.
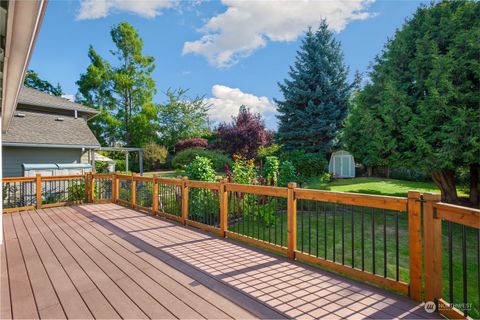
191	143
154	155
287	173
243	171
307	164
409	174
271	170
183	158
101	166
200	169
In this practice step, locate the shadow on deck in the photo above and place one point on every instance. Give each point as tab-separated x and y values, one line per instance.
108	261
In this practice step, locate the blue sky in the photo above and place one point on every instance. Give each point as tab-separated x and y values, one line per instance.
231	52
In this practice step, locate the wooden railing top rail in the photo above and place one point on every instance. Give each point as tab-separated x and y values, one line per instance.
64	177
177	182
18	179
356	199
203	184
103	175
143	179
260	190
457	214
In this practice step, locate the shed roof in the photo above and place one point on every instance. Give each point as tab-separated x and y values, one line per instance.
33	97
45	129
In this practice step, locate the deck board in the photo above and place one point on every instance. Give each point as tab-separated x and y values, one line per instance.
45	295
108	261
181	293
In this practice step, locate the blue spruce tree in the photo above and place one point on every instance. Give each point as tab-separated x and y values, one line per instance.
316	95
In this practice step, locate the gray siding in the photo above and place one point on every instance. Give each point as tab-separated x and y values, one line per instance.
14	157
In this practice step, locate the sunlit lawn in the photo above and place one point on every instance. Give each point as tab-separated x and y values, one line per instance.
381	186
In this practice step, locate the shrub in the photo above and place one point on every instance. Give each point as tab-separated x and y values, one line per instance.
154	155
200	169
287	173
101	166
307	164
244	135
183	158
264	152
271	170
243	171
191	143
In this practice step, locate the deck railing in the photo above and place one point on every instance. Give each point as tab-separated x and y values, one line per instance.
377	239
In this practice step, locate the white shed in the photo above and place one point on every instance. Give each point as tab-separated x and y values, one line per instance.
342	164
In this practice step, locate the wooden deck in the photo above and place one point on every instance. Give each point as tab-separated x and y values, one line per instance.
107	261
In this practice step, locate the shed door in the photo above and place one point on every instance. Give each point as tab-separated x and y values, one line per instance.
346	166
337	166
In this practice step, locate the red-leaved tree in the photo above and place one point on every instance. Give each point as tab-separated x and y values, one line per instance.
244	135
191	143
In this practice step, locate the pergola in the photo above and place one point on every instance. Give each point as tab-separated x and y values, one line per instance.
126	151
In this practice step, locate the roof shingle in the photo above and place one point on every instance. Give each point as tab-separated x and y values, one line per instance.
45	128
35	97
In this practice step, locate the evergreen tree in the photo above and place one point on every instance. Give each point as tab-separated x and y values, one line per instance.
316	95
424	93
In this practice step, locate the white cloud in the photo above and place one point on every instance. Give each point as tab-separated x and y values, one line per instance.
95	9
226	102
248	25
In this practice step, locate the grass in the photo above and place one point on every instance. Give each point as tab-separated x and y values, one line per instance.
380	186
165	173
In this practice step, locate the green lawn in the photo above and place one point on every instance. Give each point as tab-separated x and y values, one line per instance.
381	186
166	173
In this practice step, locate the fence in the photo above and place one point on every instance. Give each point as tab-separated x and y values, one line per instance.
377	239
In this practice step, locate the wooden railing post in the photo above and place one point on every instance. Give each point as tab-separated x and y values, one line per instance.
223	195
92	187
292	220
155	195
134	191
415	244
432	232
184	200
114	188
85	181
38	188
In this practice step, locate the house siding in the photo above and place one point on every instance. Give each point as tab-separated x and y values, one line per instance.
14	157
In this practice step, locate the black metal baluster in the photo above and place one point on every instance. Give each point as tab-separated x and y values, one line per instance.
384	243
450	262
281	228
316	222
363	239
464	267
373	241
258	216
353	238
302	213
309	228
324	205
275	221
397	258
343	236
334	230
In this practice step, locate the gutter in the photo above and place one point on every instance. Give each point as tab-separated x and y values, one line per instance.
48	145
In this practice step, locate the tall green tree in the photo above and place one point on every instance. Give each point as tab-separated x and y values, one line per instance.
32	80
181	117
123	92
315	95
427	100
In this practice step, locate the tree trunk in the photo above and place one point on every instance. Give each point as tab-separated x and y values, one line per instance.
474	179
387	173
445	180
369	171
